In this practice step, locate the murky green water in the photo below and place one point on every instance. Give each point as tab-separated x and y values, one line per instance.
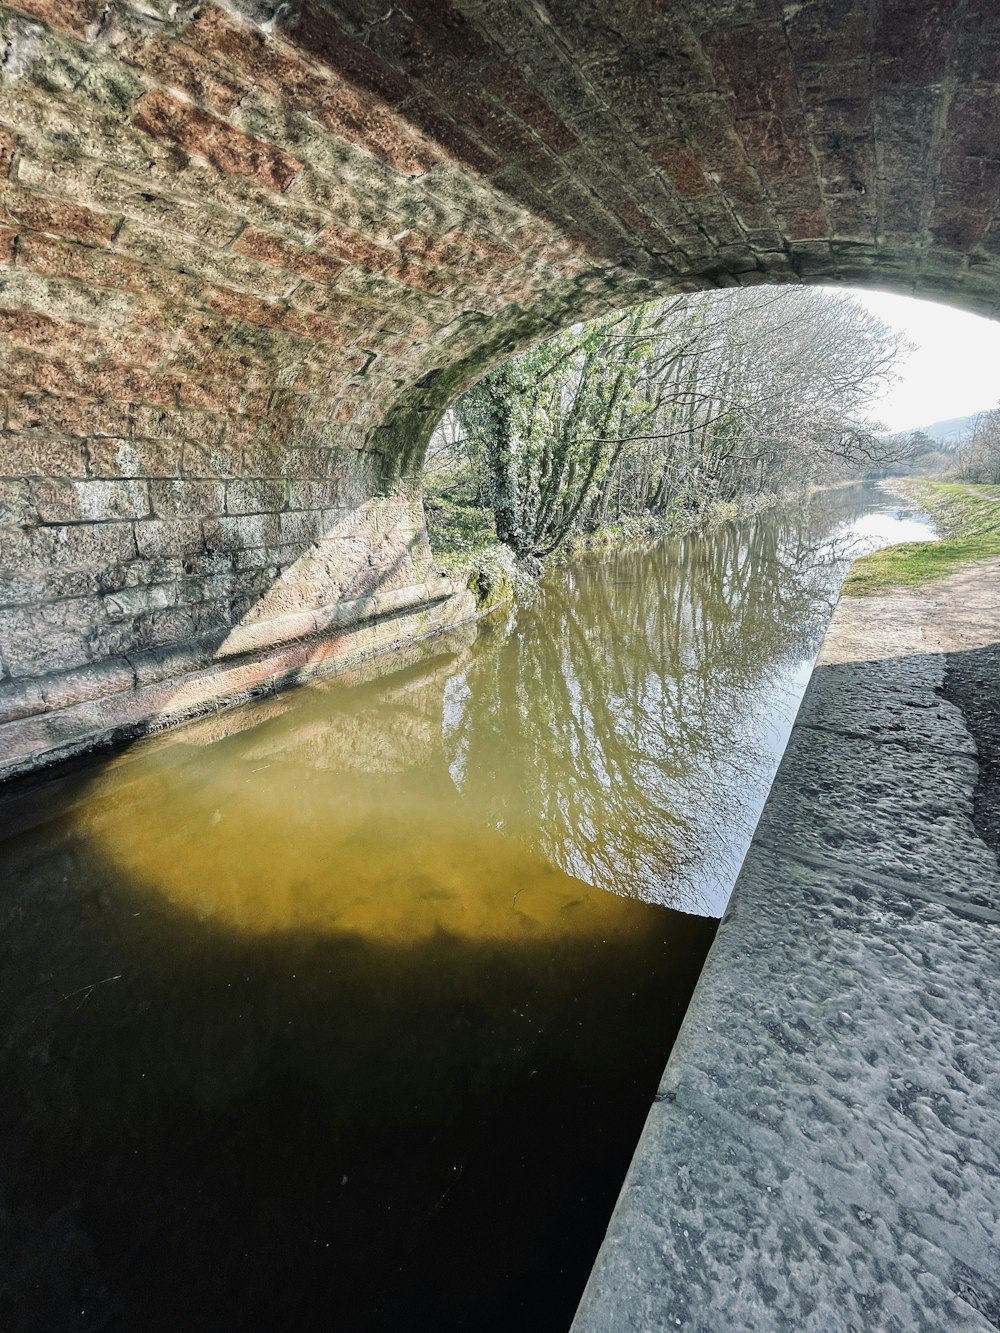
343	1010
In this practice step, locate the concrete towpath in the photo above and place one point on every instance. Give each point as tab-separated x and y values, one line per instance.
824	1150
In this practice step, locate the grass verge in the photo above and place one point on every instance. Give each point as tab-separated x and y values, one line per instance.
967	515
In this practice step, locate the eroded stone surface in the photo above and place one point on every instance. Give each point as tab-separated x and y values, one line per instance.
824	1152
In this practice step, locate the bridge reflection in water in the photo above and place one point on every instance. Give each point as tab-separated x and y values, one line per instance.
344	1009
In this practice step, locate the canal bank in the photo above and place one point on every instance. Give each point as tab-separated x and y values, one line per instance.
823	1150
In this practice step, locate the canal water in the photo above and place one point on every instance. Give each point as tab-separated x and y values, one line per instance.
343	1010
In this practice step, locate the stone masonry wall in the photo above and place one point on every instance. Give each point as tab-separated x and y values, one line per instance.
249	252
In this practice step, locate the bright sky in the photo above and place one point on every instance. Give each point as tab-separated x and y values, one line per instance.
954	371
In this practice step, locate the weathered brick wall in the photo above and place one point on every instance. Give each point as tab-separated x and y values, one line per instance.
248	252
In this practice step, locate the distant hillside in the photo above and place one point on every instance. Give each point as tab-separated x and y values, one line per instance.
951	430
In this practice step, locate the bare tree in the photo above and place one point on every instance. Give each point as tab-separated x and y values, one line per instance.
978	458
674	406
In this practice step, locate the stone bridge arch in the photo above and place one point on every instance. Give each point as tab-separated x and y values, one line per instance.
250	251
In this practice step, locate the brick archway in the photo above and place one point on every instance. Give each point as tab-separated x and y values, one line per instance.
249	253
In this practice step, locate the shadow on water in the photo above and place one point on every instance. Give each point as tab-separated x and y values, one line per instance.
247	1100
306	1024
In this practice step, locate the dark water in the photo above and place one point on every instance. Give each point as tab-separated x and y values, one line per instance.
344	1010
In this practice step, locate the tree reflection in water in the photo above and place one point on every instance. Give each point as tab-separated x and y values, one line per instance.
628	725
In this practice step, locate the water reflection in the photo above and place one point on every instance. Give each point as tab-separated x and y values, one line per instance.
330	1011
628	725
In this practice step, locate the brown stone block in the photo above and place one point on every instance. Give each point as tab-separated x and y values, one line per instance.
508	85
180	499
418	277
807	224
682	168
78	17
499	254
7	238
266	61
238	305
56	217
360	122
223	145
272	249
77	344
316	328
354	248
30	329
314	29
177	65
144	388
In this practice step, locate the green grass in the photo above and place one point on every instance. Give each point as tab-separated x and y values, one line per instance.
967	515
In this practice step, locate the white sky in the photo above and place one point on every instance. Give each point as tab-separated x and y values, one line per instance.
954	371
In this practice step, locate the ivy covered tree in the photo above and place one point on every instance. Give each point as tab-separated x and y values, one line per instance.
674	406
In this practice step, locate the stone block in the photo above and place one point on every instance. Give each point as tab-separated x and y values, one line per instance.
178	537
98	681
181	499
229	534
16	508
90	545
127	603
259	496
133	458
37	640
221	143
212	460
